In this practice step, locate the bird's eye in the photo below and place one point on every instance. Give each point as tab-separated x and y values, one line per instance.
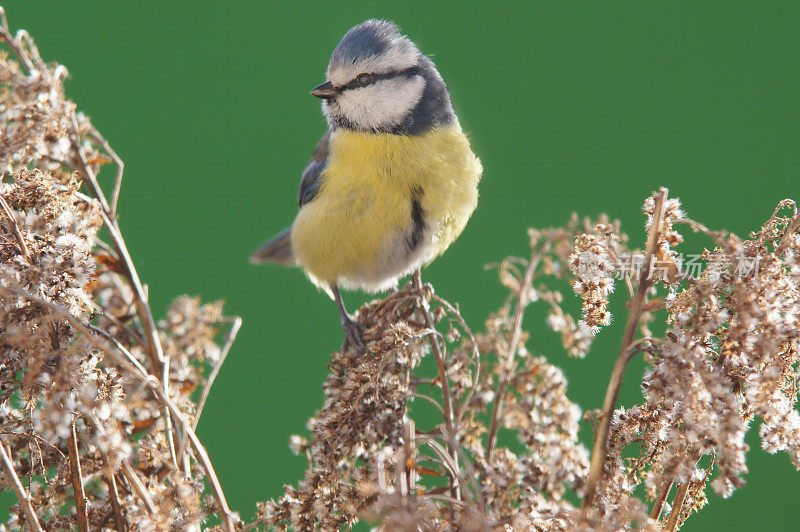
364	79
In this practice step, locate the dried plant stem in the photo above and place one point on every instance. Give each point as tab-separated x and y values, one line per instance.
120	168
794	226
228	518
15	229
167	417
444	381
697	227
431	400
81	507
658	505
14	44
523	298
440	362
447	461
22	495
87	171
250	526
111	482
476	355
677	507
33	436
625	353
25	40
137	487
113	319
146	315
235	326
129	357
155	350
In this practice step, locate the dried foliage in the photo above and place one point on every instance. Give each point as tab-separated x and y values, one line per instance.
487	438
413	446
97	404
433	426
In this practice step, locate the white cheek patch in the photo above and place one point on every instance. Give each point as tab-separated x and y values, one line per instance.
383	104
397	58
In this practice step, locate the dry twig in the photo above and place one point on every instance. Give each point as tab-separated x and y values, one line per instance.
523	299
22	495
77	481
615	383
9	214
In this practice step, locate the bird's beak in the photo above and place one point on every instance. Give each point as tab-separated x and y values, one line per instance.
325	91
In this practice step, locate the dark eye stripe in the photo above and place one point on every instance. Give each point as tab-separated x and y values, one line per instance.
356	84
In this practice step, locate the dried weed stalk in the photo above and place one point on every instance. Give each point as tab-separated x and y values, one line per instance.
434	426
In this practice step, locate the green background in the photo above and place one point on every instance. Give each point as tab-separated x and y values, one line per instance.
572	106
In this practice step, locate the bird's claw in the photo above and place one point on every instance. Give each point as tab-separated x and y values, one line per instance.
353	335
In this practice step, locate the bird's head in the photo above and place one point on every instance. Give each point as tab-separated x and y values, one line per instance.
378	81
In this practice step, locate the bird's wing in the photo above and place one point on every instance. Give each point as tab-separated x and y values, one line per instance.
279	248
309	184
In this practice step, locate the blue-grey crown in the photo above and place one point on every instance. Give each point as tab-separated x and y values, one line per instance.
370	38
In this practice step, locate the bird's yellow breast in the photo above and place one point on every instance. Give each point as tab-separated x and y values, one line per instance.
348	232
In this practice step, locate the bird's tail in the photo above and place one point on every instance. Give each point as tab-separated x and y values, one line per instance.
277	249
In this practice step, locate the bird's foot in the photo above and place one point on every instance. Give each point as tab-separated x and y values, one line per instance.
424	289
353	335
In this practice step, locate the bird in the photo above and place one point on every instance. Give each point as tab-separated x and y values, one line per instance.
391	183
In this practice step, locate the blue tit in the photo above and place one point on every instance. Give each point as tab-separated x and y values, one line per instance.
391	183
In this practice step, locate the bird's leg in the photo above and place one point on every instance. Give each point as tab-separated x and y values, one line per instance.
352	330
416	280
